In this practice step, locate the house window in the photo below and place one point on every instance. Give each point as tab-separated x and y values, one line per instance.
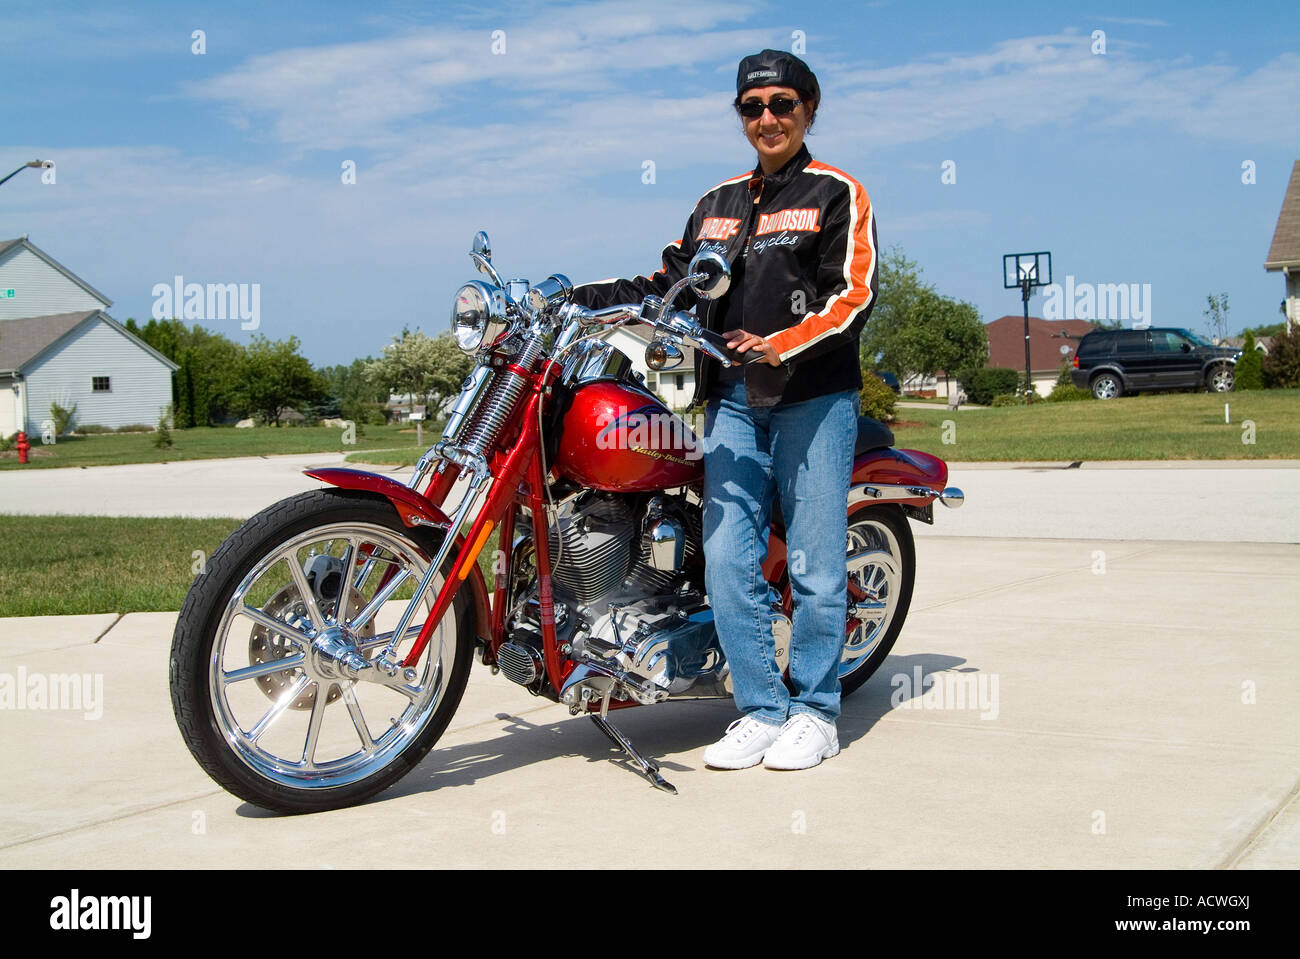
100	384
681	381
652	380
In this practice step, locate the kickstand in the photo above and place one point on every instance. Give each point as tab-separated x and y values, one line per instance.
648	767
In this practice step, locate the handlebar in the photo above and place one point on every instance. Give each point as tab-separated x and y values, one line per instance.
678	325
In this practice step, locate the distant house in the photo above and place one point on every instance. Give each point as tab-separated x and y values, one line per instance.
1284	252
1050	341
1262	343
674	386
57	345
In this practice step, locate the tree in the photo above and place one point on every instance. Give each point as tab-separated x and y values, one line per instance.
913	329
275	378
940	334
1216	315
205	386
899	287
353	394
1249	374
427	368
1282	365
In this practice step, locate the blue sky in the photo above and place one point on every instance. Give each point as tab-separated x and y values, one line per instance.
226	167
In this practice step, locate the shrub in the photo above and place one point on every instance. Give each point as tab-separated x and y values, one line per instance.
1249	374
135	428
1005	399
984	383
877	398
1067	393
63	418
163	438
93	429
1063	377
1282	365
7	442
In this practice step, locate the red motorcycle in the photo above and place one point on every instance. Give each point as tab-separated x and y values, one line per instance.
327	644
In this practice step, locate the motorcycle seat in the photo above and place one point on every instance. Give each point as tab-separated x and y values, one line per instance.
872	435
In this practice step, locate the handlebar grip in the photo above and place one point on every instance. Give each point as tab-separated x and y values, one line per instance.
719	342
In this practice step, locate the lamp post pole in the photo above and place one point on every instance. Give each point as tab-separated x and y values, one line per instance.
38	164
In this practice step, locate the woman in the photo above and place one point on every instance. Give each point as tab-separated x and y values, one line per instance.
800	237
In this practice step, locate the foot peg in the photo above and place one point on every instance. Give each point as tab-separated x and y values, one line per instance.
647	767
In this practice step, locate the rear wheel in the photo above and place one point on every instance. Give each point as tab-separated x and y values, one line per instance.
255	670
1107	386
882	571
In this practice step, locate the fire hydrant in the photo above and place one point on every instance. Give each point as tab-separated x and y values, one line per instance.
22	446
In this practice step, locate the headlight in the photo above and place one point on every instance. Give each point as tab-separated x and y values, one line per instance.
478	315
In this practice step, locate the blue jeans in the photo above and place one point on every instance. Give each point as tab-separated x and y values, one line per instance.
804	453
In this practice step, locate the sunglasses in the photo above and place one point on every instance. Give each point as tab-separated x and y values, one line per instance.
780	107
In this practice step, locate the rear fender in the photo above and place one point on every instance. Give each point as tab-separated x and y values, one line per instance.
414	510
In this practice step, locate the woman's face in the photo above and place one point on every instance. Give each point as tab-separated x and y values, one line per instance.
775	138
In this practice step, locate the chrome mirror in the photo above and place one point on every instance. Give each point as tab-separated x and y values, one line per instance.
716	278
481	254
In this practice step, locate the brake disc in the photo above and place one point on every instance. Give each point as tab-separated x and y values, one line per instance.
264	646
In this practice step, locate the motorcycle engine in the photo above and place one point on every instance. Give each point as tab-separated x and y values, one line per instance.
628	594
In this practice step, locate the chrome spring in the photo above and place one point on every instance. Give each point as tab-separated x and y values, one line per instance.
494	409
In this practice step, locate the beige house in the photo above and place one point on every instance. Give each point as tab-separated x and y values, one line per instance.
1284	252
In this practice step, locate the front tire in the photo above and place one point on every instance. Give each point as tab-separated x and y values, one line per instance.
248	696
880	590
1221	379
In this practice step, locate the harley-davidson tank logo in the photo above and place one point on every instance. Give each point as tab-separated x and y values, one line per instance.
718	228
651	431
797	220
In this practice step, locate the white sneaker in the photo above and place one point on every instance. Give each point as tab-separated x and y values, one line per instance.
744	744
805	741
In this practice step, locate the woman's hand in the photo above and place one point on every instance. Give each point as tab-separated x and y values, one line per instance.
742	342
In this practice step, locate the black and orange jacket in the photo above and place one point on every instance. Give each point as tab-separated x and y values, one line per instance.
809	282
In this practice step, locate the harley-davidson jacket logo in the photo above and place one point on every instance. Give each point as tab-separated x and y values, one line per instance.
800	220
718	228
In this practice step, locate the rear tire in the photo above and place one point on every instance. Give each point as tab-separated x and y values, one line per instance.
886	579
236	718
1107	386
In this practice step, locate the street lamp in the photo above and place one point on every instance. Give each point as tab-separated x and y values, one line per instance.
38	164
1026	271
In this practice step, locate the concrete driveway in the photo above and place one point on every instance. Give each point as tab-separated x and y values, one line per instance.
1078	701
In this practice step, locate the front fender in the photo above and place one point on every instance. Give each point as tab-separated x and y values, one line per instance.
414	510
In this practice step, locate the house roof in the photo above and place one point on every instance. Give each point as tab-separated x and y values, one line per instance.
1046	337
24	340
1285	249
7	245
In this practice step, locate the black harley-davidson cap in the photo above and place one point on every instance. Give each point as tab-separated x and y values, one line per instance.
776	68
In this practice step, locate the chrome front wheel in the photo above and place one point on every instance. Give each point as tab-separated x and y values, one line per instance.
274	661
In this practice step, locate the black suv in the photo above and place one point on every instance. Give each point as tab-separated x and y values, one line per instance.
1114	362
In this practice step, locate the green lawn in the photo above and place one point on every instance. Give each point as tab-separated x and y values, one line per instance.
65	565
61	565
205	443
1169	426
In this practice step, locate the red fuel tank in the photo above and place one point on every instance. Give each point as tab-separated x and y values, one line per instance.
622	438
